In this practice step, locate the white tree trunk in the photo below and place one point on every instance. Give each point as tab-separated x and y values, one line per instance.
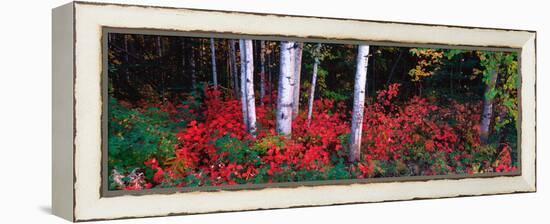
233	67
213	57
487	113
292	52
250	99
297	73
262	72
358	103
284	96
316	53
243	83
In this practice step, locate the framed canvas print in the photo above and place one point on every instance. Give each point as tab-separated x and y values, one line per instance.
161	111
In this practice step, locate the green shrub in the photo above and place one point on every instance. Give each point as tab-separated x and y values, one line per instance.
136	136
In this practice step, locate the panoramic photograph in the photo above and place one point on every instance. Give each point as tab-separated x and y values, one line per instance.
188	111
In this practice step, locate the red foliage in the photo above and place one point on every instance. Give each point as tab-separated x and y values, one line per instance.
390	131
195	148
159	174
505	160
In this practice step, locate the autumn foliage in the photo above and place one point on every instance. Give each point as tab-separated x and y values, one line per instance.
204	142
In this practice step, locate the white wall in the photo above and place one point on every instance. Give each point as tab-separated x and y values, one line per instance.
25	121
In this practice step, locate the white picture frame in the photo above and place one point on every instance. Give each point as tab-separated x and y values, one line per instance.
77	109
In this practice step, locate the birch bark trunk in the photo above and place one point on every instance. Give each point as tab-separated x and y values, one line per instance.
250	99
297	73
316	53
358	103
243	83
487	113
213	58
285	87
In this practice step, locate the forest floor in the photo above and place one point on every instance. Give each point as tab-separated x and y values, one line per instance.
200	140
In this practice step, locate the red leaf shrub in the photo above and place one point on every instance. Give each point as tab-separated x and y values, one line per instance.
417	136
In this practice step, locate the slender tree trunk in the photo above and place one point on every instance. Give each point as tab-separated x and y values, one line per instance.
213	57
262	72
284	96
269	78
250	99
192	63
292	63
228	72
313	83
487	114
126	59
243	83
162	73
159	47
200	60
373	77
358	103
233	66
297	73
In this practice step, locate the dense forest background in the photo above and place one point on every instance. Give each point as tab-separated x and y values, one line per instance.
188	111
